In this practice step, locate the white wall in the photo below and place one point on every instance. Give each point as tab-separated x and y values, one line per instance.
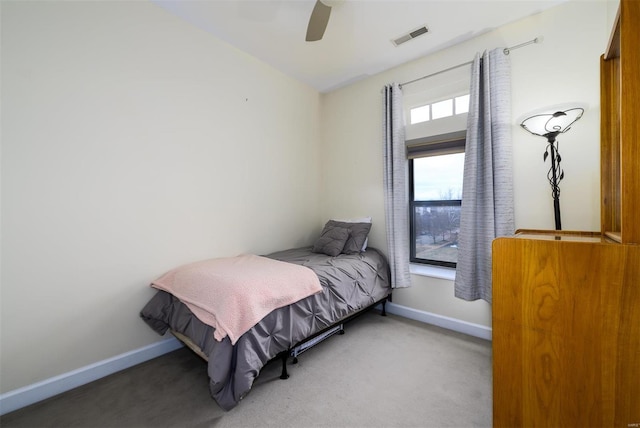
564	68
612	10
133	142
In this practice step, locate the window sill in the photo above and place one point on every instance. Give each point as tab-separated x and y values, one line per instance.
433	271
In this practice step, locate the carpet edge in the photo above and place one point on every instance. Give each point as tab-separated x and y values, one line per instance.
460	326
30	394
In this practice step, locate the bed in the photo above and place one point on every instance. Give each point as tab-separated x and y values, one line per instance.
350	283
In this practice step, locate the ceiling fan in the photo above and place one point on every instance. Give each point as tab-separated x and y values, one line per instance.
319	19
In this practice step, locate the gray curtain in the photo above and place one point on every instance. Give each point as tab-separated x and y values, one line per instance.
396	197
487	189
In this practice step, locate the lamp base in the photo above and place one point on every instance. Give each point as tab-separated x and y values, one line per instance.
556	212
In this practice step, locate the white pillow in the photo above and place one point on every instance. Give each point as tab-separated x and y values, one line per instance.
356	220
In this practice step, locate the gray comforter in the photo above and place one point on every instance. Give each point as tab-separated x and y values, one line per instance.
350	284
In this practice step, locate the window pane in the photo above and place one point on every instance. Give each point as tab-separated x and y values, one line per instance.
436	233
437	191
437	178
419	114
442	109
462	104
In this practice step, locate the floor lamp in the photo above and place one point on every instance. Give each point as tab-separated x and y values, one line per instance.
549	126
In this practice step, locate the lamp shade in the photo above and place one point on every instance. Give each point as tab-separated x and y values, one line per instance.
552	122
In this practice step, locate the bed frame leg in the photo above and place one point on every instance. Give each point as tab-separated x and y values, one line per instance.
284	374
384	308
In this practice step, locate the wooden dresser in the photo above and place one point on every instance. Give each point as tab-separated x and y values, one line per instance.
566	305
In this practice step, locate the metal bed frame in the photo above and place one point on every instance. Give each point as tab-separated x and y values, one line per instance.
311	341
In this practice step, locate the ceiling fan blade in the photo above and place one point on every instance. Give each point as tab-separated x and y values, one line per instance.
318	21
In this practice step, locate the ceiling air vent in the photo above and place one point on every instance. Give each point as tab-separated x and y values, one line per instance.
411	35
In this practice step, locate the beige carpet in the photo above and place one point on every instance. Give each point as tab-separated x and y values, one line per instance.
384	372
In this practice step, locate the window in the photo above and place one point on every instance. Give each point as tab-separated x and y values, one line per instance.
420	114
462	104
436	166
440	109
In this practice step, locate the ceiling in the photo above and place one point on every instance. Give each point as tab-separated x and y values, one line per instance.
357	41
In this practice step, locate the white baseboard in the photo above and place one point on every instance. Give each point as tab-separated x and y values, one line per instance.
454	324
22	397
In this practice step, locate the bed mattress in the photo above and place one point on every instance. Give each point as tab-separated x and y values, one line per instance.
350	283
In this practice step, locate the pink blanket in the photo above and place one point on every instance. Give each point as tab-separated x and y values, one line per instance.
233	294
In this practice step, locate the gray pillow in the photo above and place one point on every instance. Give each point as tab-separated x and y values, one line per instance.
358	233
331	241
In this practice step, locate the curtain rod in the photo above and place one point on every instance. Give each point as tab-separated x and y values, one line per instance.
506	51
